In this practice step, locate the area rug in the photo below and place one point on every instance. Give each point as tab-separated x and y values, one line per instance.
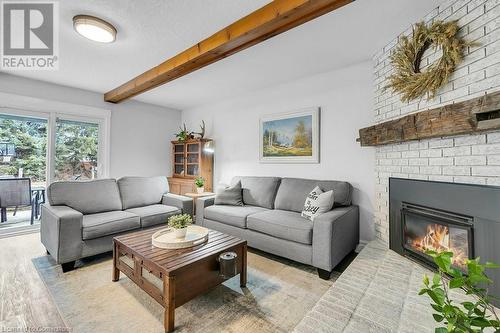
278	295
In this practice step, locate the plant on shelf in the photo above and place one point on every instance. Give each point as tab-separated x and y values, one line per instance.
475	315
179	223
184	134
199	182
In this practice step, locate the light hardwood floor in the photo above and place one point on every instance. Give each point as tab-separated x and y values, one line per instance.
24	299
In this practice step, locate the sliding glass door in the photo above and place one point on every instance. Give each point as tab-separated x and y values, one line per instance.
76	150
23	148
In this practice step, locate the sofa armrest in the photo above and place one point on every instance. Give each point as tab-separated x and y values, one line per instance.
335	234
61	232
201	203
182	202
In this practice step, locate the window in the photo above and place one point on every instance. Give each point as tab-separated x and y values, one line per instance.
76	150
50	146
25	139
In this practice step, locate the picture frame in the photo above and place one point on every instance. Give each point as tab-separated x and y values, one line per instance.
291	137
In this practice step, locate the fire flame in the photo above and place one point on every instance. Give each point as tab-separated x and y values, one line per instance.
437	238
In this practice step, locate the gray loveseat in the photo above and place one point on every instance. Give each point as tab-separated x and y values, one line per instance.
82	217
270	220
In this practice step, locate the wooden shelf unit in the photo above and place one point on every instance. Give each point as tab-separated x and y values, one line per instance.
189	161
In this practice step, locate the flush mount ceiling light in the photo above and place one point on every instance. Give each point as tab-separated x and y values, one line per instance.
94	28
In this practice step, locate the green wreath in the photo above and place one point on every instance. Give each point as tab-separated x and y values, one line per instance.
408	79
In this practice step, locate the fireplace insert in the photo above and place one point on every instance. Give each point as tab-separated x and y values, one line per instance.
437	230
462	218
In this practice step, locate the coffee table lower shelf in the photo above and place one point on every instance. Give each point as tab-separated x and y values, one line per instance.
173	277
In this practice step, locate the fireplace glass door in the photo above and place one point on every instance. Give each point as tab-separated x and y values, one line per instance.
430	229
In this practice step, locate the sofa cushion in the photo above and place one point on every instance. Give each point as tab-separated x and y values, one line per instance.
293	192
232	215
258	191
154	214
87	197
108	223
142	191
229	195
282	224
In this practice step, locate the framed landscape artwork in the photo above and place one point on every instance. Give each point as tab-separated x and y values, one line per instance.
290	137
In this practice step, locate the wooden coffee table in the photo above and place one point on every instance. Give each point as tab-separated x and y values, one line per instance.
173	277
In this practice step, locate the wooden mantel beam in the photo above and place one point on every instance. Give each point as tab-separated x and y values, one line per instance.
264	23
471	116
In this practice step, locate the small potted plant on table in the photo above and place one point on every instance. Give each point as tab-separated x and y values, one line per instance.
200	184
179	224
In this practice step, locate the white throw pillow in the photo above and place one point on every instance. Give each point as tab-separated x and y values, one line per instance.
317	203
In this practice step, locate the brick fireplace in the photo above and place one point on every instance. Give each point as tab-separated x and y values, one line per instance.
472	159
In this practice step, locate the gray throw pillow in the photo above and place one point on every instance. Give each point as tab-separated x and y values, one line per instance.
231	195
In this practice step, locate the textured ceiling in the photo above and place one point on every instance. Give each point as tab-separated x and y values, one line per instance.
151	31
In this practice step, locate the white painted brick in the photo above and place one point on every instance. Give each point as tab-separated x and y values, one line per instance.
493	160
470	140
493	137
418	161
394	154
492	70
486	149
402	161
400	175
401	147
410	169
471	16
468	79
493	181
486	171
457	170
430	170
469	180
480	62
441	178
457	151
420	177
470	160
491	3
441	161
431	153
464	159
454	94
440	143
484	85
410	153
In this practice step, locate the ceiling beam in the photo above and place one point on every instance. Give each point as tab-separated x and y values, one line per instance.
264	23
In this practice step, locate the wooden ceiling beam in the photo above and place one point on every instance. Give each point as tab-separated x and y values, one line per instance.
264	23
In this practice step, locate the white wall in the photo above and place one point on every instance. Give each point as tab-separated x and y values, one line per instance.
140	132
345	98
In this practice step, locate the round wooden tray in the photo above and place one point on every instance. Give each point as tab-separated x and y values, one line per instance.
166	239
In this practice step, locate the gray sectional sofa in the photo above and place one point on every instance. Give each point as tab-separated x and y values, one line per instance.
82	217
270	220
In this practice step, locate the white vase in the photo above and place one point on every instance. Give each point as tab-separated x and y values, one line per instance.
200	190
180	233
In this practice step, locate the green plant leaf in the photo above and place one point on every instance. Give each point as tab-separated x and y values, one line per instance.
468	305
437	296
480	322
438	317
491	265
436	307
436	279
426	280
457	282
440	330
